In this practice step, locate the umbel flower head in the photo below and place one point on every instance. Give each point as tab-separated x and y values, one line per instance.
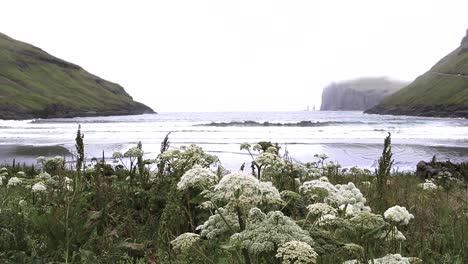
264	231
185	241
398	214
319	209
215	227
332	193
367	222
133	152
428	185
245	191
297	252
14	181
389	259
38	188
197	177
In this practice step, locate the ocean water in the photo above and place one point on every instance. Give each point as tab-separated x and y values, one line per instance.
349	138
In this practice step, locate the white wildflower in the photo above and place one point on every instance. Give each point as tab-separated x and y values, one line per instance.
268	158
38	188
319	209
367	222
428	185
197	177
215	227
297	252
133	152
269	193
244	145
389	259
325	219
398	214
185	241
3	170
351	198
20	174
350	194
272	149
264	231
245	191
311	187
14	181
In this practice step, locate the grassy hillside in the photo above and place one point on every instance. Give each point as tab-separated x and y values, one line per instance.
442	91
36	84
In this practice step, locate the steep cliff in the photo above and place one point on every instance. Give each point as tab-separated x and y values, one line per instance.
440	92
34	84
357	95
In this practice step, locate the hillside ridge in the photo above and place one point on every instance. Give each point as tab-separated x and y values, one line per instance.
35	84
440	92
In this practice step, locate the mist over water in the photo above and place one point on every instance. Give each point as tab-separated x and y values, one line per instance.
350	138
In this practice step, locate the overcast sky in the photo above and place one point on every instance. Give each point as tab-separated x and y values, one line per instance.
239	55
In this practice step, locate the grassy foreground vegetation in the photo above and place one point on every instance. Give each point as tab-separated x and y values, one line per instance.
184	207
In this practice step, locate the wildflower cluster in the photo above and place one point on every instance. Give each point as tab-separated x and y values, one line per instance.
38	188
316	188
14	181
389	259
351	199
185	241
268	158
221	223
197	177
245	191
187	157
428	185
366	222
321	209
264	231
297	252
398	214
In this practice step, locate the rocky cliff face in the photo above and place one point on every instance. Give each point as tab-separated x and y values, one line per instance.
464	43
357	95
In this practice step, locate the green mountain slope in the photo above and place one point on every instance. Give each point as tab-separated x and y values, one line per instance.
358	94
442	91
34	84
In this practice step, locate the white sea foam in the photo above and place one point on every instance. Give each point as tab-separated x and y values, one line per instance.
351	138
